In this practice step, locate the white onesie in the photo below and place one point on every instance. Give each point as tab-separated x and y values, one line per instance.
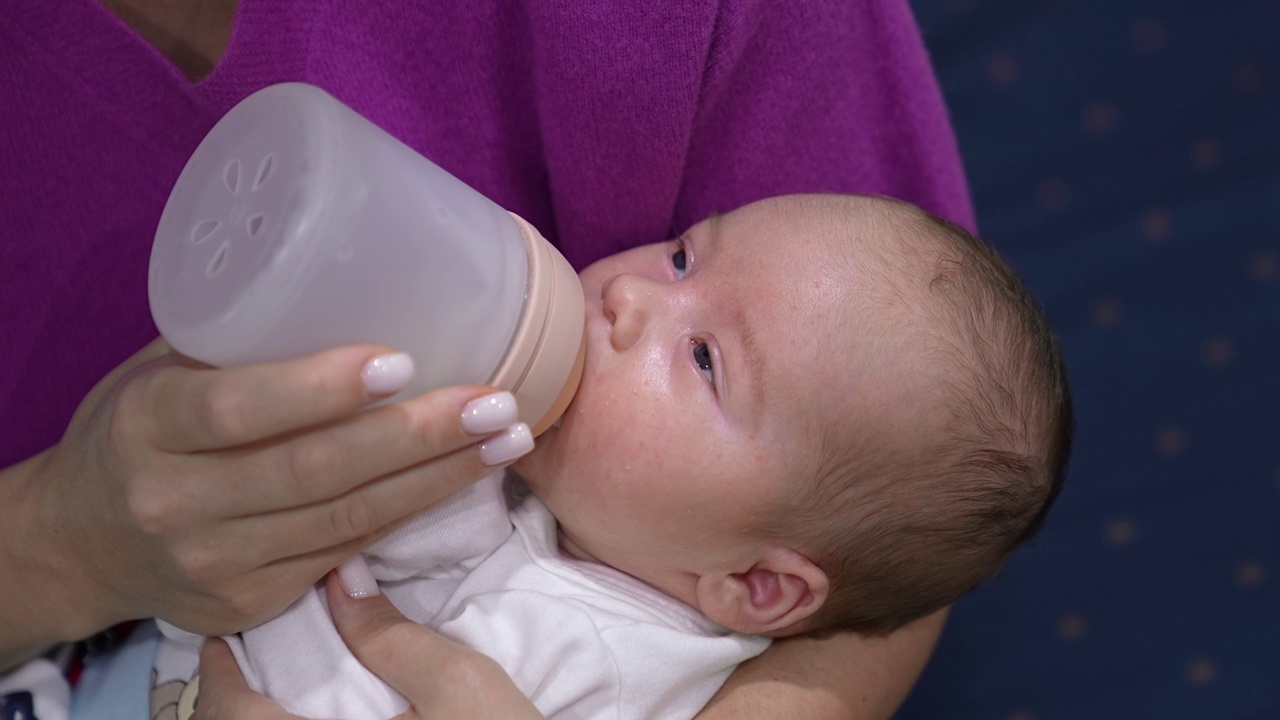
580	639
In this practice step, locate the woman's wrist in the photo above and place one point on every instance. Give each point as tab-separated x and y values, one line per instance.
46	598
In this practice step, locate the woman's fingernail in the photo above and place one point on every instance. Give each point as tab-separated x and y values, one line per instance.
507	445
386	374
357	579
489	414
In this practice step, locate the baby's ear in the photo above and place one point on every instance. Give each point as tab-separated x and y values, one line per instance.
780	590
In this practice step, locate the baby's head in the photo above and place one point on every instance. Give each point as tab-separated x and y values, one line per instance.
815	412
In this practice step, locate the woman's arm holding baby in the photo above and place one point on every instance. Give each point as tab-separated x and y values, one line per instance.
845	676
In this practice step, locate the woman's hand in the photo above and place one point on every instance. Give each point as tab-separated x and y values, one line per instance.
440	678
213	498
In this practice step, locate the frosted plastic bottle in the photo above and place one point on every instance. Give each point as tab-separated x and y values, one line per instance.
298	225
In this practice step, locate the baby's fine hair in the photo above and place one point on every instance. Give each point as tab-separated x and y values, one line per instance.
905	532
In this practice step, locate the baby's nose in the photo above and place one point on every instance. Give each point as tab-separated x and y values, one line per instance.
627	300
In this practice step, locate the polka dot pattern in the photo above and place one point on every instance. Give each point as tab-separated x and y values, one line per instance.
1072	627
1264	266
1250	574
1170	441
1206	154
1106	313
1124	155
1202	672
1054	194
1218	351
1100	118
1248	79
1156	225
1120	532
1149	35
1003	69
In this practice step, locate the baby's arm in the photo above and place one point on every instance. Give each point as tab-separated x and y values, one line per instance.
843	677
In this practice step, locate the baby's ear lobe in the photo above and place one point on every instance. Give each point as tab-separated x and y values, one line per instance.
780	590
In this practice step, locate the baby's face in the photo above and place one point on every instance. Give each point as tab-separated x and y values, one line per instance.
712	363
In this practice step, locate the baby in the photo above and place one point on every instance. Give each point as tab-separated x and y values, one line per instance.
814	413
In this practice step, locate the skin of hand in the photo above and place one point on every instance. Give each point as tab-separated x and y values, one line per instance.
213	498
440	678
842	677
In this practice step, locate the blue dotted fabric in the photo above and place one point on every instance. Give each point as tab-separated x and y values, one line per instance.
1125	156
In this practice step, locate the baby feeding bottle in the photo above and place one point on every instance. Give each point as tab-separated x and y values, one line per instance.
298	225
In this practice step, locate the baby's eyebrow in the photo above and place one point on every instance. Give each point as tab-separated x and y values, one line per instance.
713	228
754	359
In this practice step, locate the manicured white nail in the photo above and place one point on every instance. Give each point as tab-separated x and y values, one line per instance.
507	445
357	579
489	414
386	374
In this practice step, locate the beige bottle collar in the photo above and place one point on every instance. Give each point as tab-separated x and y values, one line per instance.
543	364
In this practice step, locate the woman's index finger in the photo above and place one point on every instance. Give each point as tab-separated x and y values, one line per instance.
193	409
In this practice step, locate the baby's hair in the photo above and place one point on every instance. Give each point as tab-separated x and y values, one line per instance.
904	531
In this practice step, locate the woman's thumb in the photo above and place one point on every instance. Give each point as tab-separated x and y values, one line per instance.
378	634
440	678
360	611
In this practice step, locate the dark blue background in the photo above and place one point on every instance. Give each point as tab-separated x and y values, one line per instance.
1125	156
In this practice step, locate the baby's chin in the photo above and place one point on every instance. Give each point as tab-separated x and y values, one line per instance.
532	467
541	467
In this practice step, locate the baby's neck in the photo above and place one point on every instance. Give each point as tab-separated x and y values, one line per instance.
569	548
681	589
566	545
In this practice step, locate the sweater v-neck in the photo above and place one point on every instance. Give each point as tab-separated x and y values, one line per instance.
124	76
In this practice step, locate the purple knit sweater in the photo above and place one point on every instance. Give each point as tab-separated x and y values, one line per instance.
605	124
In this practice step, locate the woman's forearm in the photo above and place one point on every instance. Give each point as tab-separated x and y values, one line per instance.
843	677
32	600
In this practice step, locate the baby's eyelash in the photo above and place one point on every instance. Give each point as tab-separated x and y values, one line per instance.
702	356
680	258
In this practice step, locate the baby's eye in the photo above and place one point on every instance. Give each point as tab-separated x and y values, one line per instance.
702	356
679	259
